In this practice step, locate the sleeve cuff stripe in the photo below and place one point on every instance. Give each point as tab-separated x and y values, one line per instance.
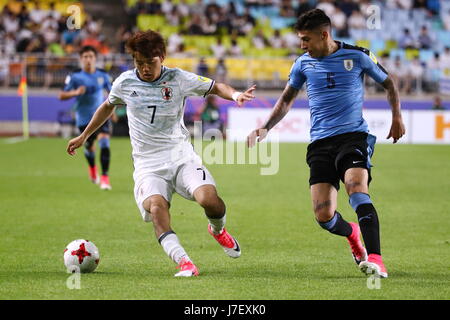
212	84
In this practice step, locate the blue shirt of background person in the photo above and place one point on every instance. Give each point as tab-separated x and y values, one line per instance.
86	104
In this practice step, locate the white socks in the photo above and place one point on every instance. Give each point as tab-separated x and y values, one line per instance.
171	245
217	224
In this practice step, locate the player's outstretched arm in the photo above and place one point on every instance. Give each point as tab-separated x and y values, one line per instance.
397	127
225	91
100	116
281	108
65	95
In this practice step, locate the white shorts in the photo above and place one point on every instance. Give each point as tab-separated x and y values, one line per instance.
183	179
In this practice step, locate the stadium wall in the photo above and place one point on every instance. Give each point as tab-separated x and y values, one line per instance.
49	116
422	126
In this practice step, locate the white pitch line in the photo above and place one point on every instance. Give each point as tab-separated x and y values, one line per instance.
14	140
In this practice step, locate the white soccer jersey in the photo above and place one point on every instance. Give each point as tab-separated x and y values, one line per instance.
155	112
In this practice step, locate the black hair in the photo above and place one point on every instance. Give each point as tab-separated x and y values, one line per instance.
312	20
87	49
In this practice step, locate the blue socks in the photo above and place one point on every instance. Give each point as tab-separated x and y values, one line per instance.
358	198
337	225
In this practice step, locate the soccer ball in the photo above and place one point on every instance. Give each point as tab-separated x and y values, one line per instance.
81	256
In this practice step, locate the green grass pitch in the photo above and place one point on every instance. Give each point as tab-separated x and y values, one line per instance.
46	201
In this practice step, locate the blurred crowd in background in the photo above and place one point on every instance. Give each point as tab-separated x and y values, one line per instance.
412	39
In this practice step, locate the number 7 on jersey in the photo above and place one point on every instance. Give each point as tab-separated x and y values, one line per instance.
153	114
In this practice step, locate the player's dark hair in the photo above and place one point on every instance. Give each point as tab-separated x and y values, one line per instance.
148	43
88	49
312	20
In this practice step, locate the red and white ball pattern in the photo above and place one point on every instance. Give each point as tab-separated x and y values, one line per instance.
81	256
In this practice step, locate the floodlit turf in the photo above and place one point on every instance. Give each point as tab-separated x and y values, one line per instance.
46	201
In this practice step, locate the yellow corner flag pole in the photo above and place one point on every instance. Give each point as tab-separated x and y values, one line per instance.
23	92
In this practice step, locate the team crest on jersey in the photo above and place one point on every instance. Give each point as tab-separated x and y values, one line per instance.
100	81
348	64
167	93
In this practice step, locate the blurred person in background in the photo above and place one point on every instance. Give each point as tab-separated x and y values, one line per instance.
259	40
235	49
9	44
52	12
154	7
424	39
357	20
416	73
210	115
87	85
406	40
167	7
195	26
218	49
326	6
24	17
10	21
203	68
286	9
276	41
184	9
4	67
437	103
302	7
445	59
340	22
446	20
174	17
435	63
399	4
348	6
221	71
173	42
37	15
400	74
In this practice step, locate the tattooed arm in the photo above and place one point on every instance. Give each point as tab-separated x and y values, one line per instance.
281	108
397	127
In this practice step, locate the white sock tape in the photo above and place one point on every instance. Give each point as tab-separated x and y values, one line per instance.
236	95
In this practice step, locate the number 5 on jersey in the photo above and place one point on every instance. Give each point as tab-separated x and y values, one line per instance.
153	114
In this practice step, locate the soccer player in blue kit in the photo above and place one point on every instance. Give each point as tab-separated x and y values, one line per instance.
341	146
87	85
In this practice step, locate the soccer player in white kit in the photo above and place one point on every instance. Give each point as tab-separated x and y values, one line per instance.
163	157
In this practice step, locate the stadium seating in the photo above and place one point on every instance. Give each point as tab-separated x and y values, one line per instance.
268	19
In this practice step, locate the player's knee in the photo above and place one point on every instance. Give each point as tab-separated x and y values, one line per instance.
354	186
356	180
157	207
323	211
206	196
104	143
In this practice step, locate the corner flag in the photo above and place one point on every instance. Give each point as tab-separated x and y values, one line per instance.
22	92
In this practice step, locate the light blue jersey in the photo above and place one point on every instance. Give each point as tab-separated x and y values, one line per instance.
87	104
335	88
